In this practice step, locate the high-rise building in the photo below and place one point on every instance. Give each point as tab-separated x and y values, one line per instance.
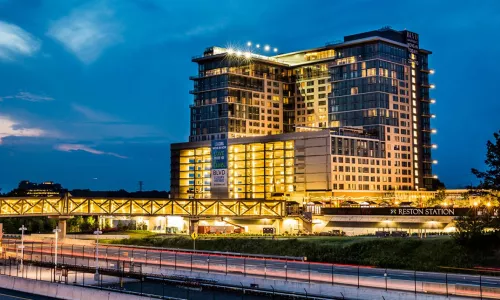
370	91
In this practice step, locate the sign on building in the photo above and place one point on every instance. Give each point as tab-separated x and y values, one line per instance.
219	163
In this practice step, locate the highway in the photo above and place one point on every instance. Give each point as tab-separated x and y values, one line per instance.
152	260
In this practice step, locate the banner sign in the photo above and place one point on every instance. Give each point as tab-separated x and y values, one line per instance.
403	211
219	163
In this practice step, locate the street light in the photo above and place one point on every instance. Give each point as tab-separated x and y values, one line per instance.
22	229
96	276
56	231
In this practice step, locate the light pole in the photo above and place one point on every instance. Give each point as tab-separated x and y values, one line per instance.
97	232
22	229
56	231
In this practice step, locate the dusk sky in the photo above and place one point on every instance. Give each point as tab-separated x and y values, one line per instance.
92	93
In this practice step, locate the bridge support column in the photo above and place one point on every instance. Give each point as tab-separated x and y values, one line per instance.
62	226
61	223
193	225
279	226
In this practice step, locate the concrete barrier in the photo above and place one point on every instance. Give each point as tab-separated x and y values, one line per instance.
61	291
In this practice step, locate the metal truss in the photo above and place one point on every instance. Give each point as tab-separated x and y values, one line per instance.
71	206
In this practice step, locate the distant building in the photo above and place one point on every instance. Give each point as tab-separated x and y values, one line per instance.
44	189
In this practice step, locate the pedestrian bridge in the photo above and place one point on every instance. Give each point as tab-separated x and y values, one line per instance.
68	205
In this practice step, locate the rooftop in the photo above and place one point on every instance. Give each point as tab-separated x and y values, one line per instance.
306	56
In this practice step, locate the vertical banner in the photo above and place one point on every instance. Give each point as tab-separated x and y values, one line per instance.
219	163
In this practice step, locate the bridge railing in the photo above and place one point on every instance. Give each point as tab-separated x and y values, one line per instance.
68	205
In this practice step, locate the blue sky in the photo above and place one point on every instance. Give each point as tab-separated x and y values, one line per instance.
93	92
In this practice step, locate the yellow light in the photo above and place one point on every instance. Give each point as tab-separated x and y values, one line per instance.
488	204
434	146
248	54
433	101
434	131
220	223
435	162
239	53
432	71
435	177
433	86
476	204
230	51
445	204
450	229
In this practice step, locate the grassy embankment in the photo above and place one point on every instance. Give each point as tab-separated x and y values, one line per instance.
401	253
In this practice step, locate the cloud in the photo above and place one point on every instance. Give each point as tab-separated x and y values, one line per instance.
87	31
80	147
27	96
10	128
16	41
94	115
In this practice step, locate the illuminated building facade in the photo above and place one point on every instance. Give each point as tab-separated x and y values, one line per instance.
370	92
32	189
258	168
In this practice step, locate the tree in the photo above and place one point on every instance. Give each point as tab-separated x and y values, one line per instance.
471	228
437	184
489	185
438	199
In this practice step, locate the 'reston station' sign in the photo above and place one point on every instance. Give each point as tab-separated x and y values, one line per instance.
423	211
219	163
404	211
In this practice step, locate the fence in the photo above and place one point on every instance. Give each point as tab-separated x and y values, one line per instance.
137	283
152	261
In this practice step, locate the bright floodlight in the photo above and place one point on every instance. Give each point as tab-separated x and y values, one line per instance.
266	48
433	86
433	116
432	71
249	44
435	162
248	54
239	53
434	146
230	51
257	46
434	131
435	177
275	49
433	101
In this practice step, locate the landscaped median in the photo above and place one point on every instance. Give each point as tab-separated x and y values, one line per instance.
399	253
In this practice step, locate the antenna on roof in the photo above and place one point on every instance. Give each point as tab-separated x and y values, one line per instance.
386	28
141	184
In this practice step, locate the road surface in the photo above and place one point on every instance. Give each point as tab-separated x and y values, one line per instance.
151	260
